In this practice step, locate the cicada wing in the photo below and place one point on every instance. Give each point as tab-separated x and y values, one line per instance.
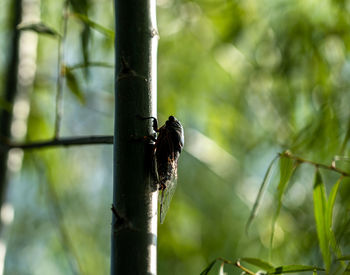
165	198
167	155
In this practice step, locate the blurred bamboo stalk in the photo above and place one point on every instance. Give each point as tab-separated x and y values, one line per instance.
9	93
56	142
18	85
61	69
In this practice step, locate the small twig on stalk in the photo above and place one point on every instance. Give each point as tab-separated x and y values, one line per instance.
61	70
67	141
331	167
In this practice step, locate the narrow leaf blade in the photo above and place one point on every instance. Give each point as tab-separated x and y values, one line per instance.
330	204
208	268
329	218
347	269
263	186
94	25
344	258
91	64
320	204
82	7
258	263
85	38
74	86
287	167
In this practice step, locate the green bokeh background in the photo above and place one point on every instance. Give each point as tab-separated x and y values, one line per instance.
247	79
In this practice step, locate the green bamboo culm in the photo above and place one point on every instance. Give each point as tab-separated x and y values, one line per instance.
135	198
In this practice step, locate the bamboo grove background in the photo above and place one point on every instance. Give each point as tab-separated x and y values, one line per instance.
249	80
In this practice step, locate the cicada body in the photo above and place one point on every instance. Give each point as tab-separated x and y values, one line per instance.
168	147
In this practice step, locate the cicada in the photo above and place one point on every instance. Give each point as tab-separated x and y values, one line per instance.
167	149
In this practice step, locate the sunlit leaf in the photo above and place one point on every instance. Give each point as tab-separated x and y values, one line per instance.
287	167
294	269
208	268
263	186
39	27
258	263
320	204
74	86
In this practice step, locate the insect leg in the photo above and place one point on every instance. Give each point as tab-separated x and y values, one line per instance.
154	124
148	137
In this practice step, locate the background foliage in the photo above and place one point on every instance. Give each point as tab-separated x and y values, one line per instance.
248	79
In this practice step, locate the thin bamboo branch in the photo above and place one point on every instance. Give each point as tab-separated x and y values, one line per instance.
331	167
64	141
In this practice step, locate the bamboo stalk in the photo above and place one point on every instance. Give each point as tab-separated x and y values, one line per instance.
134	225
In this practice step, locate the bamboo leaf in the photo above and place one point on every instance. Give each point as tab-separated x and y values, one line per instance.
263	186
39	27
347	269
294	269
329	218
345	141
333	243
85	37
208	268
330	204
344	258
94	25
74	86
257	262
287	167
82	7
91	64
320	204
